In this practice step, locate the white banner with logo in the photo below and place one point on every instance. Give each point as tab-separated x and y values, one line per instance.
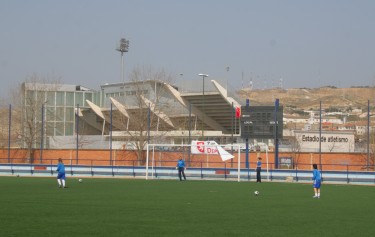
210	148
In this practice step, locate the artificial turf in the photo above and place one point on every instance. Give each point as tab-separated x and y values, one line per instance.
128	207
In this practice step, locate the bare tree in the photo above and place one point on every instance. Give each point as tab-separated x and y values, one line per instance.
331	146
28	99
295	150
4	119
368	156
148	98
6	113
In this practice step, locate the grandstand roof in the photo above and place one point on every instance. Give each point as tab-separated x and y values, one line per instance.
213	108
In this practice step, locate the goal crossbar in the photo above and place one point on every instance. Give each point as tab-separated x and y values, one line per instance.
181	150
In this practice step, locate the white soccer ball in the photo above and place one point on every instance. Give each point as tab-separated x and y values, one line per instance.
256	193
80	180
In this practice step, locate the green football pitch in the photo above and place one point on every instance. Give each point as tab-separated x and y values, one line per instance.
127	207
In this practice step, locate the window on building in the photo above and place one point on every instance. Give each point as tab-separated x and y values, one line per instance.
50	113
69	129
40	97
50	127
79	99
88	96
59	114
69	99
30	94
50	98
60	98
59	131
69	114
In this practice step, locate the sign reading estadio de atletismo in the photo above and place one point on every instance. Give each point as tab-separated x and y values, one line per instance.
329	141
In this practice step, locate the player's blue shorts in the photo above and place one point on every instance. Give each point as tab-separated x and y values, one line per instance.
61	176
317	183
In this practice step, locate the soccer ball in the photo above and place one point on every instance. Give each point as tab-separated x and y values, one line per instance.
80	180
256	193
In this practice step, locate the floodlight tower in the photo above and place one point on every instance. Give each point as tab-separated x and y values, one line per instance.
123	47
226	82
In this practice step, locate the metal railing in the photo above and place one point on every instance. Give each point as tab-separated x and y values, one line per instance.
348	174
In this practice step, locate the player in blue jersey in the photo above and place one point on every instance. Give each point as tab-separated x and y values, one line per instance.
317	181
61	174
181	168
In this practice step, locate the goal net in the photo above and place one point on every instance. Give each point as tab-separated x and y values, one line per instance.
204	160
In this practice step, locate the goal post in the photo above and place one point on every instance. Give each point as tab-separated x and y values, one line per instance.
203	159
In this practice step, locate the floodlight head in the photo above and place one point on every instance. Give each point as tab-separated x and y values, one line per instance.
124	45
202	75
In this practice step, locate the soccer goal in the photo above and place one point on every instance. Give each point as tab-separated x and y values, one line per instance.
203	159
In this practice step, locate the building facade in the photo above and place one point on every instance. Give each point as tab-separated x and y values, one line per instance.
123	110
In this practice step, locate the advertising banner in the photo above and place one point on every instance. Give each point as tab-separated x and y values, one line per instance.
210	147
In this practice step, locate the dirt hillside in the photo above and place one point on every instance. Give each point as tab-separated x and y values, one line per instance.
309	98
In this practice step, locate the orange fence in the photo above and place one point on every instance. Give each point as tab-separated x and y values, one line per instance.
330	161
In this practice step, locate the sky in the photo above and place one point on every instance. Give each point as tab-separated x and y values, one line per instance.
263	43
